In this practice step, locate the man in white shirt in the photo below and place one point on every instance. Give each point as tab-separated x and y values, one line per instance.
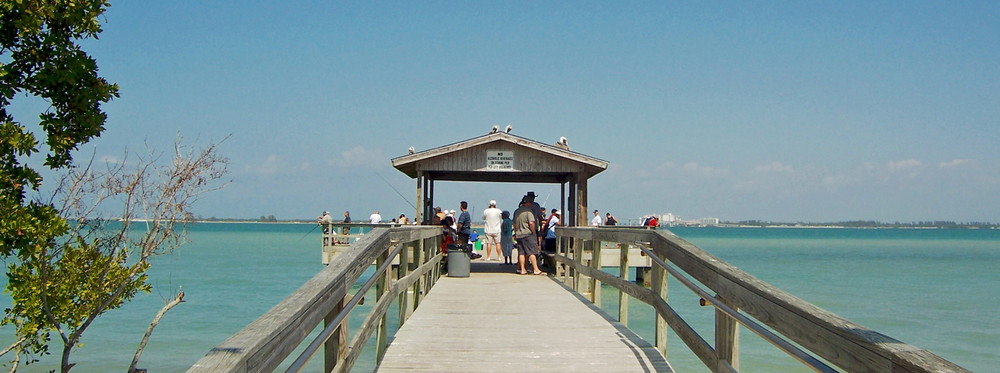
596	221
324	221
491	229
375	218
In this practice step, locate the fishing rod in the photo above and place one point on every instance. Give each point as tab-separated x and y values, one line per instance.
307	234
395	190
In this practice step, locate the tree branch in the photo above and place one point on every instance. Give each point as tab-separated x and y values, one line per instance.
156	320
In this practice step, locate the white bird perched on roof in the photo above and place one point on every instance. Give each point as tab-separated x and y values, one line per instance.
507	130
495	129
563	143
411	150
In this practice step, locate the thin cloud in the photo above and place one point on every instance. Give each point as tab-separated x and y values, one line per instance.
774	167
275	165
272	165
358	156
708	171
906	164
956	163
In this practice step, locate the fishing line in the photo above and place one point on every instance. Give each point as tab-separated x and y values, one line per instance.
394	189
307	234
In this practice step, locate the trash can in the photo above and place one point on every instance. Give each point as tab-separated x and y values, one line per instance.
458	261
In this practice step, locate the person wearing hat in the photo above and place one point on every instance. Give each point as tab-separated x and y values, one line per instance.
539	216
550	230
492	218
324	221
527	240
596	221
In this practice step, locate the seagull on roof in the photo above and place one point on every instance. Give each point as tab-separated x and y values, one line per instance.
495	129
563	143
411	150
507	130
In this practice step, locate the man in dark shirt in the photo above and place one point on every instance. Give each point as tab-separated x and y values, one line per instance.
537	210
464	224
527	240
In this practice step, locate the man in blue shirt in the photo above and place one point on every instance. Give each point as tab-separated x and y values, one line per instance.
464	223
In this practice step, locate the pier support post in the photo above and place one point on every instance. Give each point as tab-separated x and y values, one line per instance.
643	277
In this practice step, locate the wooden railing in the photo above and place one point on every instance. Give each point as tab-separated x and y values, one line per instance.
264	344
739	299
338	236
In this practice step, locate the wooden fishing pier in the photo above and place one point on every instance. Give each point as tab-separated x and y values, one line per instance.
552	322
495	321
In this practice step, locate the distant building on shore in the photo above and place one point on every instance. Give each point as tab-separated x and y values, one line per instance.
669	219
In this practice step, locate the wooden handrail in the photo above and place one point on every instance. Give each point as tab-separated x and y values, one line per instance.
841	342
266	342
327	331
772	338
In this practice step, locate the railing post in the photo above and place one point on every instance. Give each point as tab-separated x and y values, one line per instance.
660	287
436	274
566	252
560	268
419	258
381	288
335	348
595	263
578	259
404	297
623	274
727	339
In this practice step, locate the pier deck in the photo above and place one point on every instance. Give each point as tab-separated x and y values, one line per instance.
495	320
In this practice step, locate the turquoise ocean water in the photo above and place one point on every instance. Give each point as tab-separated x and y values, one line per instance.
935	289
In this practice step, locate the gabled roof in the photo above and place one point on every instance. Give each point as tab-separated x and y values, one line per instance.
466	161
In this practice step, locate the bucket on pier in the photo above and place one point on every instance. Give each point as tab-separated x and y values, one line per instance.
458	260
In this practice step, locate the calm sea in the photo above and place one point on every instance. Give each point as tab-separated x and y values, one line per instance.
935	289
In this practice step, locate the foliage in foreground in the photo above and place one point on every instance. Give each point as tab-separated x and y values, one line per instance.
41	60
62	275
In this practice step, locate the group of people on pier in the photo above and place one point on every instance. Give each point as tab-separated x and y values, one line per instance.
530	228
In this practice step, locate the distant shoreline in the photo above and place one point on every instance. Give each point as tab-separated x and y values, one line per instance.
838	225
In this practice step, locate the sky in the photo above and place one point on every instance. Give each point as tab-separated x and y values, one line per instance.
780	111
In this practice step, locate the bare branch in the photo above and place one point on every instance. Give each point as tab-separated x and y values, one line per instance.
11	347
156	321
113	253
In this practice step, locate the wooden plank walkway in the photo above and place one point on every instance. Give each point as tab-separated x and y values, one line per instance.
498	321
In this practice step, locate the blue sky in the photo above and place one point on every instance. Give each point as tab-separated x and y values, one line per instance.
784	111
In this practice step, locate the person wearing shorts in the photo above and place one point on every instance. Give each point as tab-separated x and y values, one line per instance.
527	241
491	229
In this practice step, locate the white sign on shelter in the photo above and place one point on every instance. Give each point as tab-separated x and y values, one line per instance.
500	160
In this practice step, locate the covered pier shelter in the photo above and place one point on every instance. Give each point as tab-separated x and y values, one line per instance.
502	157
